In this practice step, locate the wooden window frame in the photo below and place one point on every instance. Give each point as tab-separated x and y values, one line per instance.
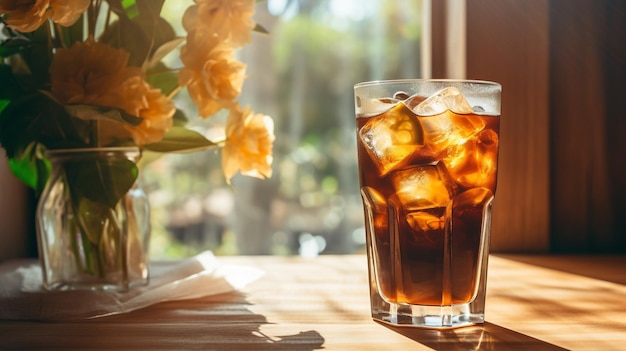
506	41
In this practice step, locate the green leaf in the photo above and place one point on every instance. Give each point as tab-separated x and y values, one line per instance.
130	36
179	139
31	169
260	29
16	133
150	8
162	37
37	118
162	51
95	113
13	46
9	87
140	34
100	180
95	218
180	119
163	78
117	7
24	169
3	104
148	157
39	56
31	122
96	185
130	8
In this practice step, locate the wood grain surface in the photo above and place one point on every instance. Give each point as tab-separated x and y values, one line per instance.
322	304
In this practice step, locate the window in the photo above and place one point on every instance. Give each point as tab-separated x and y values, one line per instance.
302	75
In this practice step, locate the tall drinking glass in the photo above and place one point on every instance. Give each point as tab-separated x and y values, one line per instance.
428	157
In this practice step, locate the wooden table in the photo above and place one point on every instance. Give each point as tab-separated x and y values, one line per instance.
533	303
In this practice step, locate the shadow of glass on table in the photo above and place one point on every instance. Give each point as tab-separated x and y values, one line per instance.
485	337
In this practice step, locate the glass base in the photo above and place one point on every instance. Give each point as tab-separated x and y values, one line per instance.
439	317
425	316
96	286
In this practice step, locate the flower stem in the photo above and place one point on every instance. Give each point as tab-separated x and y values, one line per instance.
58	33
174	91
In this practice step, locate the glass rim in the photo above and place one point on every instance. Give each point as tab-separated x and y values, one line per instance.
95	149
426	80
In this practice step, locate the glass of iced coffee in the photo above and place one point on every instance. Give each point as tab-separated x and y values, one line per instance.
428	160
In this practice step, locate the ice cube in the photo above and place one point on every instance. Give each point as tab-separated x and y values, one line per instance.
467	200
474	163
373	107
449	98
478	109
413	101
423	187
448	129
469	211
400	95
445	119
391	137
421	221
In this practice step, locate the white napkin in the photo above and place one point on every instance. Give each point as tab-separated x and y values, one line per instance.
21	295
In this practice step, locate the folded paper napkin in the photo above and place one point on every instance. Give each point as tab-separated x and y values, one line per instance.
22	297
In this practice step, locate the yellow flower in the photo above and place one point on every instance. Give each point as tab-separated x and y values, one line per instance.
149	103
67	12
211	73
28	15
227	19
248	147
80	75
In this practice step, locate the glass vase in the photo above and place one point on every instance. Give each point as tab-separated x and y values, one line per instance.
93	221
